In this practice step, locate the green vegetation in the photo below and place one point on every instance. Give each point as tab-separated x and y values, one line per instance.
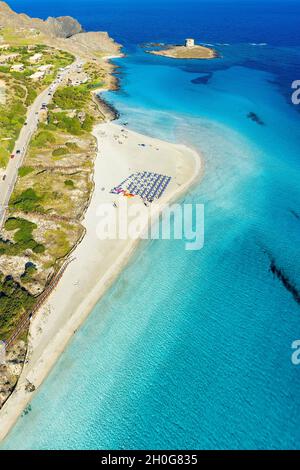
43	188
70	147
25	170
96	74
21	91
23	237
31	96
71	97
63	122
88	123
27	201
73	147
61	247
12	119
70	183
24	229
43	138
4	69
14	301
60	152
30	270
4	157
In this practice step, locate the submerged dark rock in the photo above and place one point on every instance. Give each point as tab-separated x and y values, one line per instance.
297	216
202	80
26	411
255	118
285	281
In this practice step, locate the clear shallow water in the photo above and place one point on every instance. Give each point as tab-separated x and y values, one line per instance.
192	349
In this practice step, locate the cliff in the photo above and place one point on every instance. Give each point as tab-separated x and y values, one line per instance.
62	27
64	32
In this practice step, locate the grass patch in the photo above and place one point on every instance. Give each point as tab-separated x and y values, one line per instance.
4	157
42	138
25	170
58	245
31	96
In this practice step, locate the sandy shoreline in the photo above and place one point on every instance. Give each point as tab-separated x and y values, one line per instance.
97	263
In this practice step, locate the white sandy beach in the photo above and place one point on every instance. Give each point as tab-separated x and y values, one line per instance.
96	262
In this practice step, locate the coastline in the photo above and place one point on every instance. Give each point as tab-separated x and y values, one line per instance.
60	317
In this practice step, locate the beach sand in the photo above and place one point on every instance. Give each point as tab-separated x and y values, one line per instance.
97	263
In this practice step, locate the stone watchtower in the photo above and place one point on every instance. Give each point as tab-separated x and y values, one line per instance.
189	42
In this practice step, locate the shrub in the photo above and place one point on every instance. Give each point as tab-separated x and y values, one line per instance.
24	228
72	97
72	146
14	301
19	91
62	121
88	123
59	152
27	201
38	248
30	270
15	222
69	183
23	238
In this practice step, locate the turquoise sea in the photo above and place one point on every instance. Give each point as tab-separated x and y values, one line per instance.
193	349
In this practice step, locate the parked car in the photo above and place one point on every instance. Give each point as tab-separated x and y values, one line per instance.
18	152
3	177
12	155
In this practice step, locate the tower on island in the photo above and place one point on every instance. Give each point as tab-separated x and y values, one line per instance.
190	42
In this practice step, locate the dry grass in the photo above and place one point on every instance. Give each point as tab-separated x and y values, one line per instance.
56	198
58	237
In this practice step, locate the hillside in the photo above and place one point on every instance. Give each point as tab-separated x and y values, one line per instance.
64	32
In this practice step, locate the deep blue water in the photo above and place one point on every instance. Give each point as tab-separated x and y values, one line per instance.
215	20
193	349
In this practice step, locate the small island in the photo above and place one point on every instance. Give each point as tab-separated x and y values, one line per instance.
189	51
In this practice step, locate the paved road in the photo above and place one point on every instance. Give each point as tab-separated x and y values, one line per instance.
32	120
